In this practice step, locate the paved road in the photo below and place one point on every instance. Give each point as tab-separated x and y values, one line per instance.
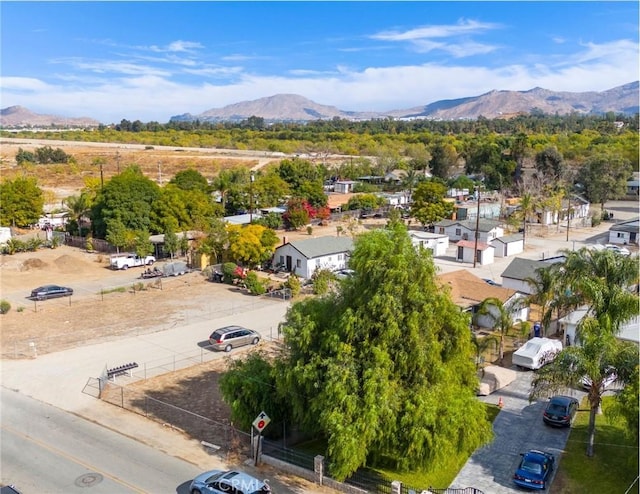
517	428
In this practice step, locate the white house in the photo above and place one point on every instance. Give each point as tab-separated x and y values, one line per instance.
466	230
397	199
629	331
303	257
519	270
509	245
437	243
466	252
579	210
53	220
625	232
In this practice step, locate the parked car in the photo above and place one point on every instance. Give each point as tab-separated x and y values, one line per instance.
490	282
536	352
230	337
534	470
560	411
344	273
231	481
616	248
50	291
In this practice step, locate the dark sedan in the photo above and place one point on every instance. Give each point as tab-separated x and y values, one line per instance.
560	411
50	291
534	470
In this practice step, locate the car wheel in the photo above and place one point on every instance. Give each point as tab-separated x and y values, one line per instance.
195	491
149	263
255	341
125	267
228	348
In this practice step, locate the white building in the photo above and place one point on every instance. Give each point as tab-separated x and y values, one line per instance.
509	245
467	250
303	257
466	230
625	232
437	243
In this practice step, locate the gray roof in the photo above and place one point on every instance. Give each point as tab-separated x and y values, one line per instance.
516	237
322	246
484	225
521	269
630	226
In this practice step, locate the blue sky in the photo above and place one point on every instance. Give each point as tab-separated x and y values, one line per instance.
150	60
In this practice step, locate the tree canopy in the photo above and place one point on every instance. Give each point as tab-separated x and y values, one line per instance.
21	202
384	368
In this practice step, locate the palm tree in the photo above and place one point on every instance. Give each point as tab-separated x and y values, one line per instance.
502	317
79	206
482	344
222	184
544	285
598	357
600	279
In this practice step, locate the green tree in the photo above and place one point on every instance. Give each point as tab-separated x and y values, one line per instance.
383	367
190	179
117	234
545	286
143	244
604	177
443	160
627	406
128	197
429	205
171	243
550	164
21	202
79	206
597	356
251	245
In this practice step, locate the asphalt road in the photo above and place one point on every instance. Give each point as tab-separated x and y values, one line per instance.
45	449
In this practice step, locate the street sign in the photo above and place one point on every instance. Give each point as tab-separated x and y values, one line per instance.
261	421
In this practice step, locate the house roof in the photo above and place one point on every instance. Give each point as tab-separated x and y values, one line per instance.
507	239
630	226
472	244
241	219
468	290
521	269
322	246
484	225
425	235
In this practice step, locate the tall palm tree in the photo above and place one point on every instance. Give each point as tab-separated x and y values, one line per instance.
598	357
502	317
545	285
482	344
600	280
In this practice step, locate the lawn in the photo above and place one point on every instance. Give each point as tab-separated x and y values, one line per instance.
614	465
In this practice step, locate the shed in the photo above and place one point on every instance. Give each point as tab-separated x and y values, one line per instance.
625	232
344	186
466	252
437	243
509	245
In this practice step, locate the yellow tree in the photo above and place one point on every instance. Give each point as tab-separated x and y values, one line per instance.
252	244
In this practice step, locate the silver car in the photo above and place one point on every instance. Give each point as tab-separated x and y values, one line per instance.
231	337
232	481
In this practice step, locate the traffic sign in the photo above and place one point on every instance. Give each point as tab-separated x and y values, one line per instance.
261	421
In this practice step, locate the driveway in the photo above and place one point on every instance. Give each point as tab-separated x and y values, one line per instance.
517	428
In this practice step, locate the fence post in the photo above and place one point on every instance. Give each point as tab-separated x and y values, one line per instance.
396	487
121	397
318	468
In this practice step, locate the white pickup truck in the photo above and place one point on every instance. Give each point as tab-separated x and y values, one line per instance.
126	261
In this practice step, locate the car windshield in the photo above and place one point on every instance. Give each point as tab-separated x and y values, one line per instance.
531	467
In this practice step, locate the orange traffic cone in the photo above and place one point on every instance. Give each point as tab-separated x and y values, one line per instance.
500	404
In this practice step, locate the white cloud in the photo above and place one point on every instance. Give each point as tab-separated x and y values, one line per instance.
463	27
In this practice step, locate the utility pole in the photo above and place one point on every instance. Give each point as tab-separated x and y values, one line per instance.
251	198
475	248
568	215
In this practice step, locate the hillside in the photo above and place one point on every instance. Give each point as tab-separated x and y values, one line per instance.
18	116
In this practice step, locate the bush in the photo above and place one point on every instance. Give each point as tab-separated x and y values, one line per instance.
254	284
293	284
309	230
5	306
321	281
229	272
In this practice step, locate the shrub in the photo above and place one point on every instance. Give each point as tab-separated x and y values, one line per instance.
321	281
229	272
293	284
20	309
254	284
5	306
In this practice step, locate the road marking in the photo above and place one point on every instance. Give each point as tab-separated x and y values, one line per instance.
89	467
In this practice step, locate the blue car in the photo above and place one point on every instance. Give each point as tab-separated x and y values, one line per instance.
534	470
226	482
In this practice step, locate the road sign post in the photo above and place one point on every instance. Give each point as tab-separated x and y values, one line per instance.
261	421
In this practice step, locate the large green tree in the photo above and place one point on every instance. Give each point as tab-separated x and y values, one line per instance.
127	197
21	202
429	203
384	368
604	177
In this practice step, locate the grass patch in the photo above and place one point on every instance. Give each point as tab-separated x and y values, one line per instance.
614	465
118	289
439	476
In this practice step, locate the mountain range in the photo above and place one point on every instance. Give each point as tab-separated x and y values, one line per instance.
295	108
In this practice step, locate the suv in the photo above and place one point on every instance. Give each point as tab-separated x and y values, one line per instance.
233	336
